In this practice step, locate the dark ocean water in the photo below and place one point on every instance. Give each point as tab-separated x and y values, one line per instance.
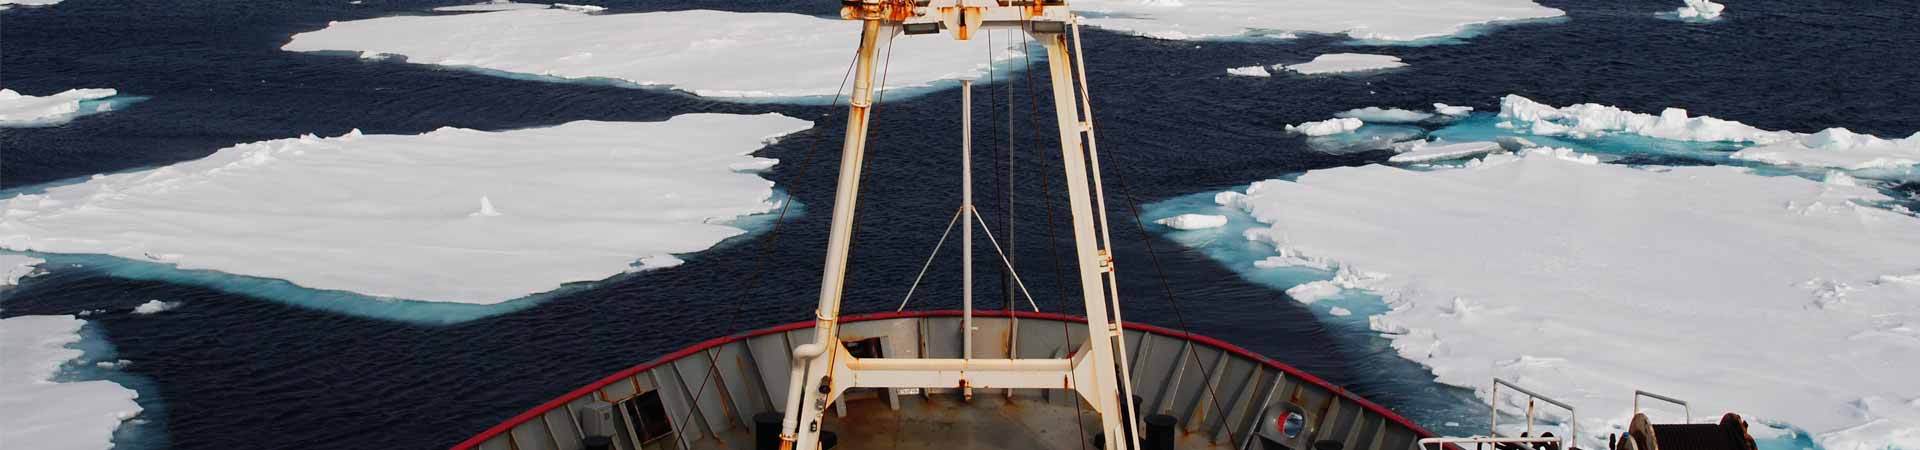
235	371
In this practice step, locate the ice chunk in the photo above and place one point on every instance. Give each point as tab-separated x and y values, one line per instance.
707	53
1700	10
1193	221
580	8
1452	111
1387	20
4	4
1327	127
387	215
1344	63
1340	312
1837	148
1250	71
1425	152
154	307
37	412
17	110
15	267
1375	114
486	208
1576	269
1832	148
1314	291
492	5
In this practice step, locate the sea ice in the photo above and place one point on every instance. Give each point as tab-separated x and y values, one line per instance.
580	8
1344	63
492	5
1375	114
1700	10
4	4
395	215
707	53
1193	221
15	267
1250	71
1314	291
1327	127
38	412
1837	148
1586	281
1832	148
1452	111
154	307
17	110
1429	152
1387	20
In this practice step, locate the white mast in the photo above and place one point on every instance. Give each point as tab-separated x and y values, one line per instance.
966	230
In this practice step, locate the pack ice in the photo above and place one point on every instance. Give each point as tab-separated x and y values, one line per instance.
19	110
15	267
453	215
38	412
1831	148
707	53
1344	63
1387	20
1782	298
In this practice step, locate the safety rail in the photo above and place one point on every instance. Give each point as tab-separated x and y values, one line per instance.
1688	409
1444	442
1573	418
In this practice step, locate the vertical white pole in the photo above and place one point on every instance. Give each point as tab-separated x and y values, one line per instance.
966	230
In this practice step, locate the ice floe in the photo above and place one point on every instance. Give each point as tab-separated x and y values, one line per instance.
1250	71
1587	281
1345	63
1193	221
1832	148
1452	111
492	5
155	307
38	412
18	110
1385	20
1700	11
1374	114
14	267
707	53
4	4
1327	127
1428	152
395	215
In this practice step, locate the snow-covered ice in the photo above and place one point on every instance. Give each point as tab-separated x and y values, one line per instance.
4	4
1700	10
1327	127
1385	20
40	413
1250	71
1193	221
1837	148
1566	275
1345	63
394	216
580	8
1313	291
707	53
1451	111
1832	148
1375	114
492	5
1429	152
155	307
14	267
18	110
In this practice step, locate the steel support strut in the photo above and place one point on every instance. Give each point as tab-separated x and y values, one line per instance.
801	428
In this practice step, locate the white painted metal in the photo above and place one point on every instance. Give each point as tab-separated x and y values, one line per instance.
1573	417
1683	403
823	370
966	232
1100	209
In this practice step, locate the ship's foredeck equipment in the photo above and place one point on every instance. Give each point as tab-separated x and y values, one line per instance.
824	370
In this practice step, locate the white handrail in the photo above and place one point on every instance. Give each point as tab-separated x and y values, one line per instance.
1573	418
1683	403
1423	443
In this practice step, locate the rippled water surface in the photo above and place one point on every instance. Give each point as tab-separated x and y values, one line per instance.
231	370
